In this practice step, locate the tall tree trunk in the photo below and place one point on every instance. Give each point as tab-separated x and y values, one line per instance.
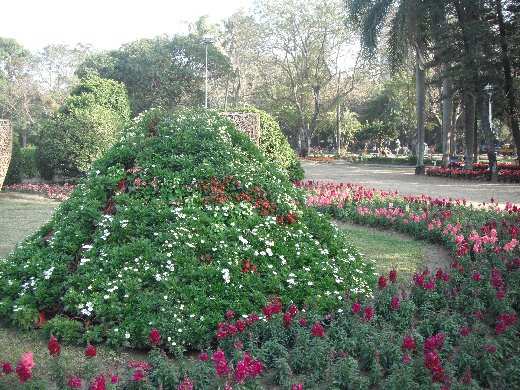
469	130
508	78
420	90
447	112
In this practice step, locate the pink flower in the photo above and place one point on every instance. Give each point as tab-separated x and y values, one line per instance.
241	326
75	383
186	384
395	304
230	314
114	379
203	357
90	351
24	367
53	346
297	386
154	336
317	330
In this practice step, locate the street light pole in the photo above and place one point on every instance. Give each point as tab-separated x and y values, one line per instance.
489	89
207	39
492	157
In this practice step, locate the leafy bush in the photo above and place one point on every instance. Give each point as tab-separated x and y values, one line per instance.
15	170
181	220
275	146
29	165
83	128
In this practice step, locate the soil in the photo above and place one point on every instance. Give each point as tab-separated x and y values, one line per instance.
404	179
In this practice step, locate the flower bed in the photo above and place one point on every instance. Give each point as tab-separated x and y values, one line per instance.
453	327
508	173
53	191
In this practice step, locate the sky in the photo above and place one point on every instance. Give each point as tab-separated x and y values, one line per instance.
105	24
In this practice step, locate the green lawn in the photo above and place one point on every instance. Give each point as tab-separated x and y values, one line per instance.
389	250
21	215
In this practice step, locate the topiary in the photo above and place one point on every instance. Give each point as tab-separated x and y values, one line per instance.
181	220
275	146
15	171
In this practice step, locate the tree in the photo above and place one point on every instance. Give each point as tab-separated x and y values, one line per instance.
83	128
160	72
407	30
302	43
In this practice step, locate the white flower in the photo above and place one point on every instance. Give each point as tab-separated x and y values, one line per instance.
127	335
48	273
225	275
243	240
269	252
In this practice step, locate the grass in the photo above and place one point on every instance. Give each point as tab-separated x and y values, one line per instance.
389	250
21	215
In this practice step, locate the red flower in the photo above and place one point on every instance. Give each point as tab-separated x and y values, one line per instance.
408	344
393	275
99	383
203	356
241	326
6	367
394	303
138	375
154	337
464	331
382	282
54	346
287	319
303	321
75	383
356	308
317	330
90	351
432	360
369	313
491	348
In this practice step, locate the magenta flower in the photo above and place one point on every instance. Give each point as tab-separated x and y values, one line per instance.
317	330
154	336
90	351
75	383
138	375
382	281
356	308
395	304
53	346
393	275
203	356
408	344
6	367
99	383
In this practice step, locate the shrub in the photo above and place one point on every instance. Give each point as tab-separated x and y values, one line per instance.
275	146
15	170
83	128
181	220
29	166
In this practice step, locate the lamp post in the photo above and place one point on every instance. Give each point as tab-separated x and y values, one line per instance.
489	89
208	40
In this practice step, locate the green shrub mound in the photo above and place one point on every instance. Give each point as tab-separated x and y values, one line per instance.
180	221
275	146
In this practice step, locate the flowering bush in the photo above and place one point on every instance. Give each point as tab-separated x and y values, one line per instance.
181	220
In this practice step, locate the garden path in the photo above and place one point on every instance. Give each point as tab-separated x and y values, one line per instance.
403	179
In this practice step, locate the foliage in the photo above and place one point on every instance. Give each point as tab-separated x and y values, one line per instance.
179	221
275	146
15	170
376	131
29	164
83	128
159	72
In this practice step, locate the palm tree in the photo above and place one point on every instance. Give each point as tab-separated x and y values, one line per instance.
407	33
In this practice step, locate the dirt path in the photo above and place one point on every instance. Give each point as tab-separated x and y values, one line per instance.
403	179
